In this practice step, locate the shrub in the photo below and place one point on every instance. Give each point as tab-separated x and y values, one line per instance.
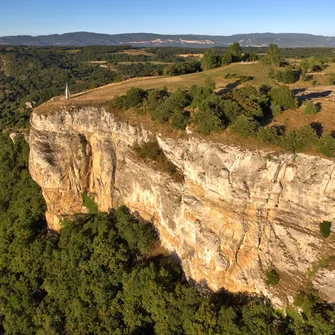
310	108
250	99
244	79
152	151
119	102
149	150
207	121
275	108
283	96
135	96
231	110
89	203
272	277
303	301
155	97
288	76
180	119
198	94
301	138
245	126
331	78
210	83
325	228
161	113
327	145
270	135
227	59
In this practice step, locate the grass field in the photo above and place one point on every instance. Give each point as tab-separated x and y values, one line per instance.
258	71
136	52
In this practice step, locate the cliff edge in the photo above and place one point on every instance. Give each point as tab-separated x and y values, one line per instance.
235	216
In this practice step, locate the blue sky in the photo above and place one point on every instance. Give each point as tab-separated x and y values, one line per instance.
37	17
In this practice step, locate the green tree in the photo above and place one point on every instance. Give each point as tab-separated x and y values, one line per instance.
270	135
272	277
227	59
283	97
245	126
327	145
310	108
301	138
236	51
272	56
210	60
325	228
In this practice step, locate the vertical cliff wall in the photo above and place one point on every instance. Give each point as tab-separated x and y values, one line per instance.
236	215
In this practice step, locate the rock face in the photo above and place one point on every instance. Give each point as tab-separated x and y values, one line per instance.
237	214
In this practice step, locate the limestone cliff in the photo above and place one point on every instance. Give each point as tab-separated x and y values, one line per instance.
236	215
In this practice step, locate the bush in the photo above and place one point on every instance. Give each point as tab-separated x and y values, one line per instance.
327	145
198	94
180	119
89	203
331	78
245	126
155	98
304	301
149	150
272	278
152	151
270	135
275	108
207	121
135	97
283	96
301	138
325	228
227	59
250	99
231	110
310	108
288	76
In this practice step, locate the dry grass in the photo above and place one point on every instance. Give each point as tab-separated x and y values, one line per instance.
73	51
258	71
136	52
293	119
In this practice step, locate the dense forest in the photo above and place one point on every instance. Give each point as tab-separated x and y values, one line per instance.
106	273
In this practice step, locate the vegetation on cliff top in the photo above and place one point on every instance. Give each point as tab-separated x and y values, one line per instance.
248	112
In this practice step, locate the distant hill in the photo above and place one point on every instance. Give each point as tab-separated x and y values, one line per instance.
152	40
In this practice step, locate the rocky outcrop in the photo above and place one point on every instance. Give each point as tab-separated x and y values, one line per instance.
237	214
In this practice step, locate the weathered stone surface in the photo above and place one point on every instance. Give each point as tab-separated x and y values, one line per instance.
237	214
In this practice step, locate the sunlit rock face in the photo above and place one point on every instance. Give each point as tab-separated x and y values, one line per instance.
236	215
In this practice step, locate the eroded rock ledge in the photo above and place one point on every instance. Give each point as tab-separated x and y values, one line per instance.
237	214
